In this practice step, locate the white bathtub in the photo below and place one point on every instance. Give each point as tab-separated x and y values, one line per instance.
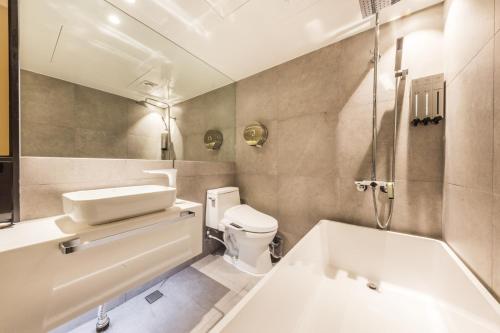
321	286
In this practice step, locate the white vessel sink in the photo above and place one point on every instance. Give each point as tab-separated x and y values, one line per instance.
111	204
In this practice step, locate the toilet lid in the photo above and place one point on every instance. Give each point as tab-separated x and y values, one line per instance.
251	219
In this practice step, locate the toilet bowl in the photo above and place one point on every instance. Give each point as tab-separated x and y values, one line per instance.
247	232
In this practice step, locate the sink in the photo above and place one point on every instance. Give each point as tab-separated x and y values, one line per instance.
110	204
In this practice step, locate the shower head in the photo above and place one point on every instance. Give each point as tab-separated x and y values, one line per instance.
399	54
371	7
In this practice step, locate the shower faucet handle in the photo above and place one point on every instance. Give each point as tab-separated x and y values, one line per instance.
362	185
390	190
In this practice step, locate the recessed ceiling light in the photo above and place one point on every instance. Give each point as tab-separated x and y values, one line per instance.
130	1
114	19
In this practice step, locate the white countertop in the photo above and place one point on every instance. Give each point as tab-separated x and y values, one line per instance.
59	228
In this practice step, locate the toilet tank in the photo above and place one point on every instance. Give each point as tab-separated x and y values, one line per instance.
218	201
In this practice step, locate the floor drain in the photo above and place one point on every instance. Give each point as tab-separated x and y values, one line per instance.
154	296
372	285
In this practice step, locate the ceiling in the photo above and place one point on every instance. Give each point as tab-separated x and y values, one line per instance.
91	43
178	49
244	37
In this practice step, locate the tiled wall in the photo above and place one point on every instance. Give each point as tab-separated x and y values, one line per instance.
471	212
44	179
318	112
213	110
63	119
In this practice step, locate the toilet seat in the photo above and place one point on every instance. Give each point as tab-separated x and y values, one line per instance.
249	219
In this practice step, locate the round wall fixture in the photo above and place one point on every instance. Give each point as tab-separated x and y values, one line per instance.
213	139
255	134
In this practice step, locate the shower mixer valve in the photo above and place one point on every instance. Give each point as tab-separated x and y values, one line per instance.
385	187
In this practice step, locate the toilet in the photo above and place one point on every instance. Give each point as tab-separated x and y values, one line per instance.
247	232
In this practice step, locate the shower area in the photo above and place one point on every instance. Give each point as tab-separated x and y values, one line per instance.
428	91
373	8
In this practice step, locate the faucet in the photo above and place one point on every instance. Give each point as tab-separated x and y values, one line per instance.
385	187
170	173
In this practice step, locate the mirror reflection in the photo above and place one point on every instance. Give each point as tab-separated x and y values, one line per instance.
96	82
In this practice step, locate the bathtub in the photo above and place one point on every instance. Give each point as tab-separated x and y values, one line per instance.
322	286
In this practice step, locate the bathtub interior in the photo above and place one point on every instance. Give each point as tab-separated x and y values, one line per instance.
413	264
320	286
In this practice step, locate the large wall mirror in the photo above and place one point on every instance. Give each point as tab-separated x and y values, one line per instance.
98	83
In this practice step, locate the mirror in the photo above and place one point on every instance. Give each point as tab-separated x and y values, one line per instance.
87	69
4	80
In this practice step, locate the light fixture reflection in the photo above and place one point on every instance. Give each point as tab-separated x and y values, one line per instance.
114	19
157	103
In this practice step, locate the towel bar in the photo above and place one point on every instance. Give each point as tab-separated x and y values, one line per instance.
74	245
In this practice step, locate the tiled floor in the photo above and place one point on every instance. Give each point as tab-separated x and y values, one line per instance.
194	300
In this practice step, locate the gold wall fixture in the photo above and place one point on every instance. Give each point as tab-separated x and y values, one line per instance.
255	134
213	139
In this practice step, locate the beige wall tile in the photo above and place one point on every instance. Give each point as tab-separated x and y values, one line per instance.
497	15
204	168
496	247
260	192
470	135
256	98
417	208
48	101
100	144
213	110
304	200
62	119
144	120
143	147
353	138
469	25
47	170
303	87
306	145
39	139
97	110
91	170
195	188
468	228
420	155
496	117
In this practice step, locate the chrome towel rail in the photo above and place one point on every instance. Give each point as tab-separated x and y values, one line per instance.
76	244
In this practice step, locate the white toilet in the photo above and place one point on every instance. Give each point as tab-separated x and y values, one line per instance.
247	232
